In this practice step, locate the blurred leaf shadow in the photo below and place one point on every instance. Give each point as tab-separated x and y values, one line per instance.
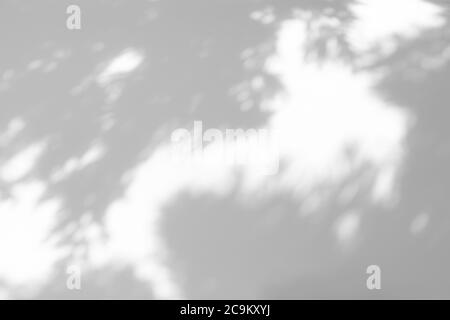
220	247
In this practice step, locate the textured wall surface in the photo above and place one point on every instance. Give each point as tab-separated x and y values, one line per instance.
234	149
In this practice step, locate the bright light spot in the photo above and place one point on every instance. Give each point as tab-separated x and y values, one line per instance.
265	16
325	110
4	294
379	22
123	64
346	227
27	250
22	163
94	154
15	126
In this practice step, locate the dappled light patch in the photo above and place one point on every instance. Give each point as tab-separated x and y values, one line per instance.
89	177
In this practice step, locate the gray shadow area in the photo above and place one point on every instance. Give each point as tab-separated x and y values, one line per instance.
235	245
